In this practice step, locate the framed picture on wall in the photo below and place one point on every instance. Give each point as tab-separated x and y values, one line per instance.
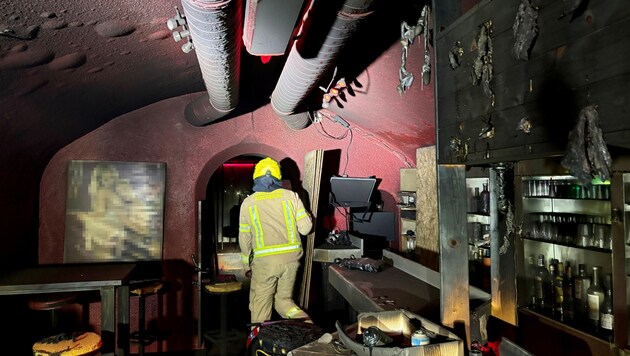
114	211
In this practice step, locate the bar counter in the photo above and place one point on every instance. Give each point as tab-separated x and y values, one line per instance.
390	289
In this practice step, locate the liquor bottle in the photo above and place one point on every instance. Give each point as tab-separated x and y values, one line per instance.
484	200
606	318
531	284
551	294
558	285
540	281
594	299
474	201
581	284
568	293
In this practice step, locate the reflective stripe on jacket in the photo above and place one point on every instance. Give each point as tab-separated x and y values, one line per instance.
270	224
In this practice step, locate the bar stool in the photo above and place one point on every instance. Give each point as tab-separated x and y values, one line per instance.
53	302
223	335
143	290
71	344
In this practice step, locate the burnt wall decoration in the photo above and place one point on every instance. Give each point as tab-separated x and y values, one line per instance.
525	30
587	156
455	54
482	66
531	122
408	35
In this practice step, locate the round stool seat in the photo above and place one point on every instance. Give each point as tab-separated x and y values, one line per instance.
75	344
147	289
49	301
224	287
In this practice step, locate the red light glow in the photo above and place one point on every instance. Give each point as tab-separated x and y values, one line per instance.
265	59
239	165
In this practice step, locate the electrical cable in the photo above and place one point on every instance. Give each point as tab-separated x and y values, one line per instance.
347	152
332	80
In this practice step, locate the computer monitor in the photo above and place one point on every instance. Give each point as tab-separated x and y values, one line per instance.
349	192
378	223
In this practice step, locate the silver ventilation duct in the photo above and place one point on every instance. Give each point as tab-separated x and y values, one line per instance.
300	75
216	30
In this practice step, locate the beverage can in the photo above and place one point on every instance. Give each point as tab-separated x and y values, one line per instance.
419	338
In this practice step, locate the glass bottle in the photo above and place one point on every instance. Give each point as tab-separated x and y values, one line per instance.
474	201
551	289
568	293
594	299
606	318
484	200
531	284
540	282
558	285
581	284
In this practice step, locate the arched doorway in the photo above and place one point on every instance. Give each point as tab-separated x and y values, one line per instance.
228	185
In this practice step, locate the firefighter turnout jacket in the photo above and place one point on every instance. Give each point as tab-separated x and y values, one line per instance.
270	225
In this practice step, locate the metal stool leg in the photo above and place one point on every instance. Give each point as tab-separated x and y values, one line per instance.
223	343
141	324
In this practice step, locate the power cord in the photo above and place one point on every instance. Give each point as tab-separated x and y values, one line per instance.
339	120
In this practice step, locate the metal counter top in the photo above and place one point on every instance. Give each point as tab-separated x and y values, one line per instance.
389	289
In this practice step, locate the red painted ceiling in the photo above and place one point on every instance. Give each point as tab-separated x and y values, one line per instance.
93	61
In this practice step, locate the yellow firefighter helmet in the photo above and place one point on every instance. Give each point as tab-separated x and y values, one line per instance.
267	165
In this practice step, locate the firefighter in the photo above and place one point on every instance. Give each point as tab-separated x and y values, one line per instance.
270	223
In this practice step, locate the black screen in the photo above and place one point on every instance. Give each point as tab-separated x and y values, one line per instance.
351	192
380	223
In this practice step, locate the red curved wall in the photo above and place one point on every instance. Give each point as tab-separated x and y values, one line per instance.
159	133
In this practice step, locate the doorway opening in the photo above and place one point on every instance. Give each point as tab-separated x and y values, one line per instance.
228	186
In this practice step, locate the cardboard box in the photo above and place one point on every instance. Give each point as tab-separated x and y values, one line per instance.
400	321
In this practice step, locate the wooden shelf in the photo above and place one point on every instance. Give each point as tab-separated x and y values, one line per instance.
572	206
572	329
588	248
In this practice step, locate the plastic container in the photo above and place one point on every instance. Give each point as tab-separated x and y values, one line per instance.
419	338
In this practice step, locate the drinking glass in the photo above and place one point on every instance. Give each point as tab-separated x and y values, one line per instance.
584	235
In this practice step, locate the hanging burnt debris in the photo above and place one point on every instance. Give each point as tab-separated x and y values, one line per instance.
587	155
408	35
525	125
487	131
482	66
454	55
525	30
459	148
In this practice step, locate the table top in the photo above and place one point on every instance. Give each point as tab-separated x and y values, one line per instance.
64	277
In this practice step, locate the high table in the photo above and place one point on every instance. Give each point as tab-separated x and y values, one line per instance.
105	277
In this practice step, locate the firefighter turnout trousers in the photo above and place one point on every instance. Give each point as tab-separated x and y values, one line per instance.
272	285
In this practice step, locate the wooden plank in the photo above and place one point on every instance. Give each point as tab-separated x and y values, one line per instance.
445	13
551	118
313	162
501	13
553	34
454	294
599	56
502	267
427	239
551	123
